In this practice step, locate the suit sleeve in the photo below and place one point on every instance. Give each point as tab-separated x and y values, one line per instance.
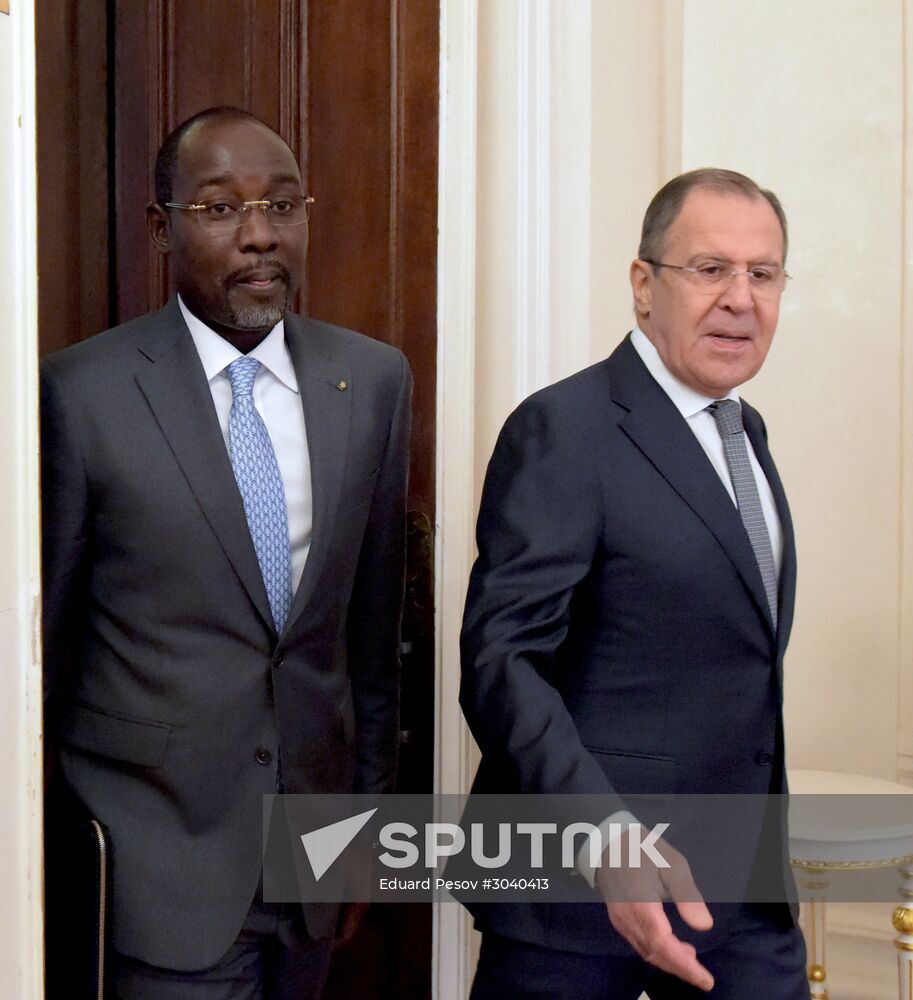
65	533
539	535
375	612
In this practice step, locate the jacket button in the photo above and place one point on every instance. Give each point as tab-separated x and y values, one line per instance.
278	660
763	758
263	756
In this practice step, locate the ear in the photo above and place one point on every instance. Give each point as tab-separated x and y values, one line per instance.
641	275
158	223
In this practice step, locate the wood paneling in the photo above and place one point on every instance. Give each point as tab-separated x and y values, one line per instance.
372	164
73	192
353	87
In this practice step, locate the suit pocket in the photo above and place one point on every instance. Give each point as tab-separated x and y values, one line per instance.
136	741
633	773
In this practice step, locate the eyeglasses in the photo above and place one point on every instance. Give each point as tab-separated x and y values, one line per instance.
226	214
715	275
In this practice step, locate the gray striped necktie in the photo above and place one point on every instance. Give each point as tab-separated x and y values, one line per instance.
728	416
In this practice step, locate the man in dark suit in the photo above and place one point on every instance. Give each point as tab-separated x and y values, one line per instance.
224	490
630	607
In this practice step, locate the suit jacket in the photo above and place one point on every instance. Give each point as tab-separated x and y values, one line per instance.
617	638
170	694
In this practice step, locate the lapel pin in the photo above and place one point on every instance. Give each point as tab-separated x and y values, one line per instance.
342	385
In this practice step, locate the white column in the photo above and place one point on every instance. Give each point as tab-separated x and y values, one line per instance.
537	99
552	190
451	949
533	196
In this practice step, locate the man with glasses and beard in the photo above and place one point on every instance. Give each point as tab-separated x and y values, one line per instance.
224	489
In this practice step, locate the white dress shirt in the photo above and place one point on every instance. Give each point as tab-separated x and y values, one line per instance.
278	402
693	407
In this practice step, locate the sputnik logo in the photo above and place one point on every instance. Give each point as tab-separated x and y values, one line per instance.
324	845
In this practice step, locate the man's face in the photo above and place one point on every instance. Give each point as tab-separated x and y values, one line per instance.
242	280
715	338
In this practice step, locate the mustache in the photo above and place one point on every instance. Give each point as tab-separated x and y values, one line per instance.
261	264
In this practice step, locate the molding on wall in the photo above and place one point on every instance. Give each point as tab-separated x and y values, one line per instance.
567	308
452	949
533	195
553	192
905	505
670	106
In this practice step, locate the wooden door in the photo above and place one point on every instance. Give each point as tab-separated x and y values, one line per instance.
352	85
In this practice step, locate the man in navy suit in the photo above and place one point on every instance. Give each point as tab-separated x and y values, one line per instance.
224	488
630	607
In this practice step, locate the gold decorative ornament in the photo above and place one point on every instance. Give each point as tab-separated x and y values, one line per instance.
342	385
819	867
816	974
903	920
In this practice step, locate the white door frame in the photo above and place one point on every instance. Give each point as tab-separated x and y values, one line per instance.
451	961
21	974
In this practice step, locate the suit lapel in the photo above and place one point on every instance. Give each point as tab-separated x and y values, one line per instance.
754	428
657	428
326	391
178	394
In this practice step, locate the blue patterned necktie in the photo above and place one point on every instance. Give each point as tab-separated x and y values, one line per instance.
257	474
728	416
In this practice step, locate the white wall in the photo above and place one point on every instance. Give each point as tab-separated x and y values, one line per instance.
815	110
815	107
20	706
584	107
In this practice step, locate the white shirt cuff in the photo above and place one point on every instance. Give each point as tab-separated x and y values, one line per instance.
610	829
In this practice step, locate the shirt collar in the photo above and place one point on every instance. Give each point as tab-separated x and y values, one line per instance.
687	400
217	354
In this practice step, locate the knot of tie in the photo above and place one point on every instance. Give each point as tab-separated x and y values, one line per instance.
241	374
728	416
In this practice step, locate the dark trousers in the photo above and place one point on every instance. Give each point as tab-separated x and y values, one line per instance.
273	958
763	960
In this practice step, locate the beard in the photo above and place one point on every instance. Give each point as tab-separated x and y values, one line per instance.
258	317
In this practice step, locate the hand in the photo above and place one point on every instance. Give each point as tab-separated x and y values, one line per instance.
633	898
350	917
